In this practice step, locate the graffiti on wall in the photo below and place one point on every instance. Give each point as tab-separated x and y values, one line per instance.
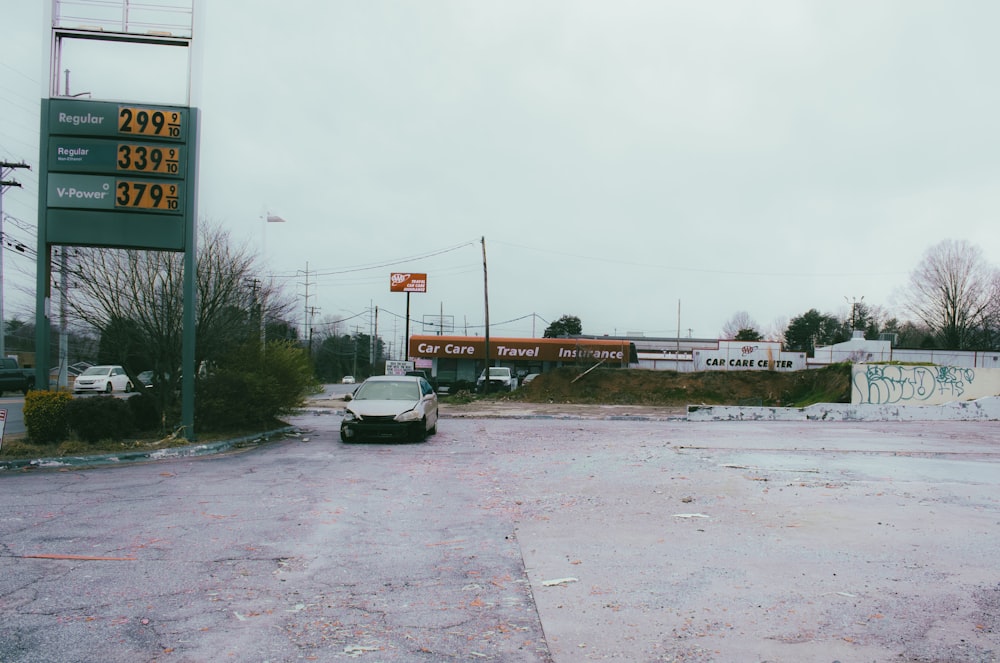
915	385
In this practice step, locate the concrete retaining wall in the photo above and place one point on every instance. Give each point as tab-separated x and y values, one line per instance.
984	409
882	384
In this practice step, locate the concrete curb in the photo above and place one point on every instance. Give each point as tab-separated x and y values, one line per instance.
188	451
983	409
521	414
560	417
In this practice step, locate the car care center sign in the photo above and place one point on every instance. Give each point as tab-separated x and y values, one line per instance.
748	356
406	282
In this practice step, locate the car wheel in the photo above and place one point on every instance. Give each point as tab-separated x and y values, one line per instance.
419	432
109	388
433	429
343	436
128	387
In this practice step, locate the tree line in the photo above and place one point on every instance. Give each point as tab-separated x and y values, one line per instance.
952	298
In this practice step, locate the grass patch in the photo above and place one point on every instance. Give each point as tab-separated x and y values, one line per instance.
831	384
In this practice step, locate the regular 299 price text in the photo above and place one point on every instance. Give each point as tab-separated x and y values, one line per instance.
149	122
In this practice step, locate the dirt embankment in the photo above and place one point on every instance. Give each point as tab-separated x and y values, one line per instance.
668	388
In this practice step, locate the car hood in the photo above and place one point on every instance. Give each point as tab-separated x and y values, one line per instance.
376	408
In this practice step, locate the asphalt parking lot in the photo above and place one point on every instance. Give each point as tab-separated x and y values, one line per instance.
539	536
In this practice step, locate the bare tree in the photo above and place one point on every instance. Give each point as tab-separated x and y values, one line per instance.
741	327
776	331
952	291
136	297
991	326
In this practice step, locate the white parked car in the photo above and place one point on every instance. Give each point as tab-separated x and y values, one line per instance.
102	379
501	379
390	406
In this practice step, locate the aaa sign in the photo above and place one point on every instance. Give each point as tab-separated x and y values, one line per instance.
406	282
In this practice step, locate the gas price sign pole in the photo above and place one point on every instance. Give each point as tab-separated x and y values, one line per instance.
118	175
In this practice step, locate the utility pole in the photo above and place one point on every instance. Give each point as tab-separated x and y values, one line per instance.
854	301
255	288
375	340
306	319
5	170
312	316
486	306
62	381
677	347
357	330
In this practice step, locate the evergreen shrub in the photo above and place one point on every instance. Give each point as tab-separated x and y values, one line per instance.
145	412
100	418
45	416
245	390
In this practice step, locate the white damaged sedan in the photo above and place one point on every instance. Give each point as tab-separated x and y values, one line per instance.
390	407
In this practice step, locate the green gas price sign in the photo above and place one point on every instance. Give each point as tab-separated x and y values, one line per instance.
117	173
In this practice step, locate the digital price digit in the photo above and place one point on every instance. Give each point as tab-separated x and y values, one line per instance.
149	122
148	158
147	195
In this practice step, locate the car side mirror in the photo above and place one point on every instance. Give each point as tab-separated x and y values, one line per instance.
348	397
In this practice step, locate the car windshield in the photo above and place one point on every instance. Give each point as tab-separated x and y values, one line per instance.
389	390
499	372
96	370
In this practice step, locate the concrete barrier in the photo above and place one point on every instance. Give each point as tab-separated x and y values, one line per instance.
983	409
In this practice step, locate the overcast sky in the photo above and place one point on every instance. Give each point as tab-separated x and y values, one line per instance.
619	158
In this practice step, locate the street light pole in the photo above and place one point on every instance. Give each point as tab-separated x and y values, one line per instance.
266	219
486	309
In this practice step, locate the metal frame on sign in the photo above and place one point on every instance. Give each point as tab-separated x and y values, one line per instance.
91	193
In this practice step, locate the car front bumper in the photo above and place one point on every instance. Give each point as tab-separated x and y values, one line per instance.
381	428
97	386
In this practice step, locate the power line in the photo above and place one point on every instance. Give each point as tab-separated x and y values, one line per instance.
381	265
694	270
6	168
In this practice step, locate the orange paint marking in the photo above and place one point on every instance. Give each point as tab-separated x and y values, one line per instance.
81	557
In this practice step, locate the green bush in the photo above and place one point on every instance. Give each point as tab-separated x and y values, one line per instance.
247	391
45	416
100	418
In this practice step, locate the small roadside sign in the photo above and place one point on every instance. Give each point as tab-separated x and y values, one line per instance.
3	424
398	367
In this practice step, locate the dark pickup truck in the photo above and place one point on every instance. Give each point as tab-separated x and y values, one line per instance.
15	378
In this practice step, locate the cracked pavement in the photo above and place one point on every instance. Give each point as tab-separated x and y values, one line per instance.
549	540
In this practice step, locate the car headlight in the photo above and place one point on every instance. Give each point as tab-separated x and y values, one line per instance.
350	416
409	415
